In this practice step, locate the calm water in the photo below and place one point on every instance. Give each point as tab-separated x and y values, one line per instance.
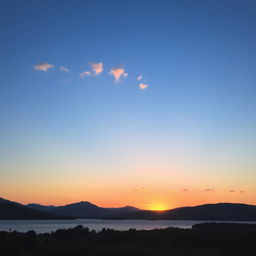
44	226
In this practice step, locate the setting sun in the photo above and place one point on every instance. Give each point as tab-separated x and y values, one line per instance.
158	207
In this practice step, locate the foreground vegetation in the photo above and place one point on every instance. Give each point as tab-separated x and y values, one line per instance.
209	239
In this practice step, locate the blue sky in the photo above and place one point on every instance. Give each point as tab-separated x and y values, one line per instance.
197	114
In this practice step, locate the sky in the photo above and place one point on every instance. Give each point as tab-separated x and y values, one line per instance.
143	103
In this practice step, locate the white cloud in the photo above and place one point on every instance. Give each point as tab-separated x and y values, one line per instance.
85	73
43	66
64	69
118	73
143	86
97	68
139	77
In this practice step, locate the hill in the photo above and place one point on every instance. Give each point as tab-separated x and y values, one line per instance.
14	211
84	210
209	212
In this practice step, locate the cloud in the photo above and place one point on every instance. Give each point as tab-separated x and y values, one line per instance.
242	191
118	73
185	190
97	68
143	189
209	190
85	73
143	86
43	66
64	69
139	77
232	191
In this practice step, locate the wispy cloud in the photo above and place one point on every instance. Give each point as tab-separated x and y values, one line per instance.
232	191
85	73
118	73
143	189
43	66
97	68
185	190
139	77
242	191
64	69
209	190
143	86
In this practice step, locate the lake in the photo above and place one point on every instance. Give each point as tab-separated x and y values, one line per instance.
45	226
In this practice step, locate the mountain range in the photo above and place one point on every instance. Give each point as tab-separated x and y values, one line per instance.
84	210
14	211
10	210
206	212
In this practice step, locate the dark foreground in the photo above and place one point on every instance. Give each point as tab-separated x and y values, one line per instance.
209	239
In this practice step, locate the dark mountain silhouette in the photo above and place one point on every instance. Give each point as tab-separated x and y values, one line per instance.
48	208
14	211
2	200
123	210
209	212
83	210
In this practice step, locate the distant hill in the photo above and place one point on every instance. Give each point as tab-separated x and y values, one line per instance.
84	210
14	211
48	208
209	212
206	212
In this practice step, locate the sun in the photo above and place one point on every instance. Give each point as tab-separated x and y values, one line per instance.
158	207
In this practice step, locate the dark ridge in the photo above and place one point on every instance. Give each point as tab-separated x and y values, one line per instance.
83	209
208	212
14	211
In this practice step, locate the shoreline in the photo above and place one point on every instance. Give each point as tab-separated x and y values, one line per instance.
202	239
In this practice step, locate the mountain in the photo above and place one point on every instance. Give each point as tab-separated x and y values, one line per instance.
83	210
14	211
209	212
123	210
2	200
48	208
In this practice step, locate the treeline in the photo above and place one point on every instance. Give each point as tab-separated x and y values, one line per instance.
209	239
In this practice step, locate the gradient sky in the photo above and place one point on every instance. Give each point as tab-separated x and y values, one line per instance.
144	103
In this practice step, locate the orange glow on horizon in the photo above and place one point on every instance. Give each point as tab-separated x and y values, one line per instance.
158	207
149	198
